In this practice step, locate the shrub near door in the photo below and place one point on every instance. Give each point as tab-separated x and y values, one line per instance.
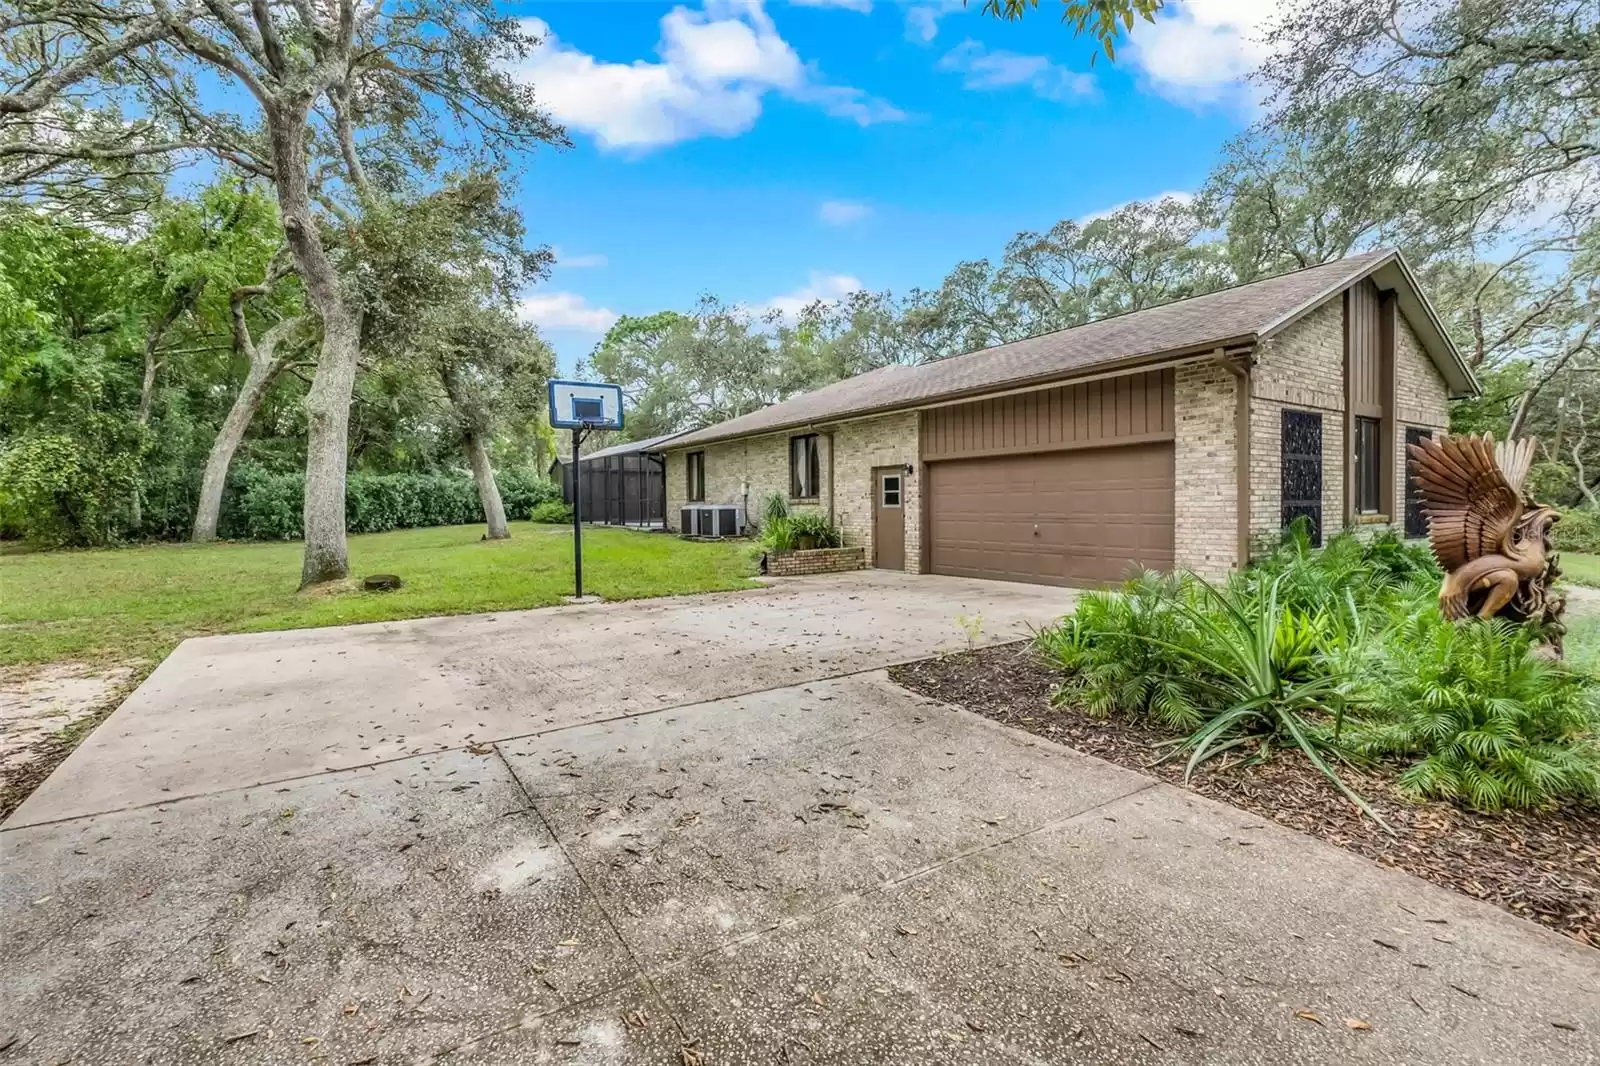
805	543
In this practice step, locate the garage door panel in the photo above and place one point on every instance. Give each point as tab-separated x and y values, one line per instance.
1074	517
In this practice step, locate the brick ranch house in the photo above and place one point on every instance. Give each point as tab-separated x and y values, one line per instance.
1173	437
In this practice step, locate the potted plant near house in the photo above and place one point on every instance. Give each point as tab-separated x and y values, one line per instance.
812	530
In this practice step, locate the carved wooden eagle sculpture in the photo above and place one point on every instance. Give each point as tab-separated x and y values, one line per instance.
1492	541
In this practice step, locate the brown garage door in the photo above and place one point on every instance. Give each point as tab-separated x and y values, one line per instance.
1058	518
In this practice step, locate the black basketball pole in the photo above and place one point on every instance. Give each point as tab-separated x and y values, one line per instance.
577	514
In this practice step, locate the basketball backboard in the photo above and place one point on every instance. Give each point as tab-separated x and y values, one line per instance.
576	404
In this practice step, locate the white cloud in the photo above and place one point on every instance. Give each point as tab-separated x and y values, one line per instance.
716	65
819	286
580	262
565	310
981	68
843	101
862	6
1198	52
922	20
842	212
1105	212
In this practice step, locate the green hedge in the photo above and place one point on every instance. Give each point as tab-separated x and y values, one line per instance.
265	506
1578	531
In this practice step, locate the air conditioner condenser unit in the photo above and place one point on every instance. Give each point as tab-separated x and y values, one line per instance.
712	520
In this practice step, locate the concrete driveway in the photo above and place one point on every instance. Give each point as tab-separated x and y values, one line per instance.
702	831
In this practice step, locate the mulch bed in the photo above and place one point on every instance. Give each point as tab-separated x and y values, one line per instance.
1542	866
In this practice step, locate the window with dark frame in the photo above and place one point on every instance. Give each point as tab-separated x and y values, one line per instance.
1300	452
805	467
1416	521
891	490
1368	466
696	468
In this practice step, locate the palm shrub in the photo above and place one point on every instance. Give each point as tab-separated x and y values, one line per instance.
815	524
777	535
1488	720
1263	670
1115	652
1342	653
1349	569
1267	660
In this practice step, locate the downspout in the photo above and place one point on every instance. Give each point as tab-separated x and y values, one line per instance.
830	479
1240	368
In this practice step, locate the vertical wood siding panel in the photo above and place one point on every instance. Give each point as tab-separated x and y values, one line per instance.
1366	362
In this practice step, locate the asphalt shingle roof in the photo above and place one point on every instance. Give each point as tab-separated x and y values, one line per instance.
630	448
1237	314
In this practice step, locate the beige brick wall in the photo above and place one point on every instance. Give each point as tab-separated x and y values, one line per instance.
1421	398
892	440
746	471
1303	368
1206	530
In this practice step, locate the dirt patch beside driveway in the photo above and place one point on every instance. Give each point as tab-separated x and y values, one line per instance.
44	713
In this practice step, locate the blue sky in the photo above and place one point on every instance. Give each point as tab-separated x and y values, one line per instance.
774	152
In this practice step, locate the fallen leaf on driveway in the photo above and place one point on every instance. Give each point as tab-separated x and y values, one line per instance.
1356	1023
1310	1016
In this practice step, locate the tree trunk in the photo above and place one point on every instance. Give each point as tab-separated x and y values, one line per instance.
265	363
494	511
147	393
328	400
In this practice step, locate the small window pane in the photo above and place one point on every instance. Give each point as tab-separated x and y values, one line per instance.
697	476
1368	473
805	467
891	490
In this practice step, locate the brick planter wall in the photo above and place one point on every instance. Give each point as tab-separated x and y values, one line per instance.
815	561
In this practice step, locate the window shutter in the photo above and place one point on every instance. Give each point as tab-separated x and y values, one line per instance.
1301	455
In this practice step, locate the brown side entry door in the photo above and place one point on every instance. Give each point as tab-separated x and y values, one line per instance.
889	518
1081	517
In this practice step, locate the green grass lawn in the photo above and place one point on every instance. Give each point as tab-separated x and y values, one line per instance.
1581	569
138	603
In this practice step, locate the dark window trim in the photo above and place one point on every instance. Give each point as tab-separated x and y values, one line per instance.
813	458
1367	465
695	477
